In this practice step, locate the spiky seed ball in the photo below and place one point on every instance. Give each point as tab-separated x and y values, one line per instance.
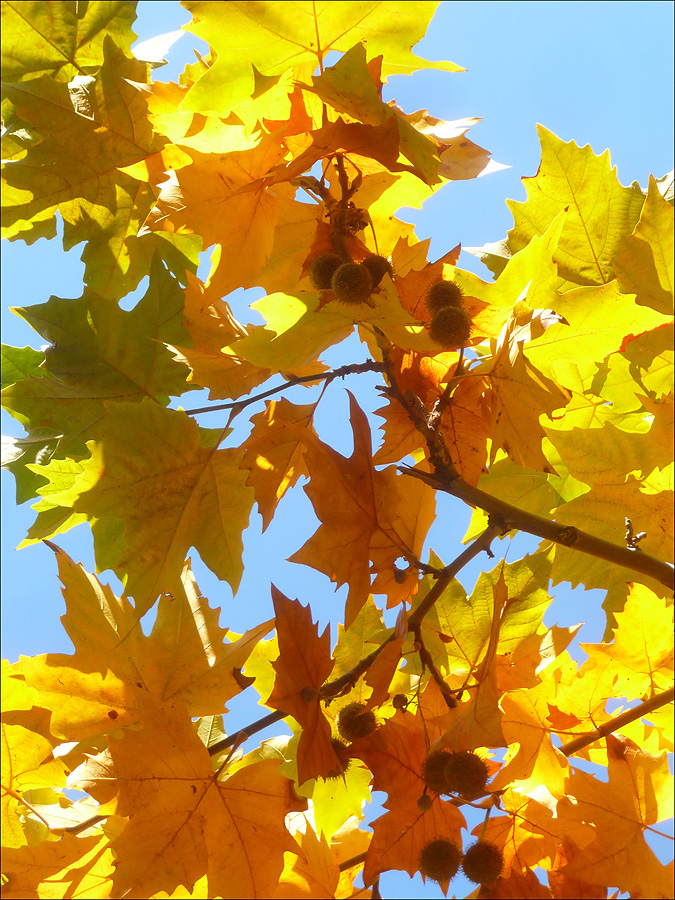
465	774
433	771
378	267
450	327
322	270
353	723
440	859
483	862
341	751
424	802
399	701
444	293
352	283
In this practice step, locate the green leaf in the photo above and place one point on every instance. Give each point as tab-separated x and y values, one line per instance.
19	363
59	38
90	129
110	353
150	469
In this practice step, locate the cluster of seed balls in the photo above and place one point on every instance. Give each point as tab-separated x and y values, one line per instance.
353	283
444	772
465	774
450	323
350	282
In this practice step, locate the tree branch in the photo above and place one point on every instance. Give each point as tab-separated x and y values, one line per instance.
511	517
446	478
352	369
630	715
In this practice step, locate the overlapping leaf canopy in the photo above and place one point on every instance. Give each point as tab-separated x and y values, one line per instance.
560	406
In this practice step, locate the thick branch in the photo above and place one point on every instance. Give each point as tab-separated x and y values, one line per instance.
446	478
630	715
351	369
511	517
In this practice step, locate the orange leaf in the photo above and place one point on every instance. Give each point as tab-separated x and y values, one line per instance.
303	665
380	674
526	886
364	514
273	454
183	823
399	836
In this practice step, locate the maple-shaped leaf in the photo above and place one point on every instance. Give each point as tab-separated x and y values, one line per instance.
522	835
303	665
61	40
90	128
505	607
637	663
348	87
80	866
296	334
365	515
644	261
212	327
600	209
637	794
315	870
520	395
298	36
182	822
518	886
150	469
273	454
314	874
597	322
566	887
106	352
186	656
220	197
525	722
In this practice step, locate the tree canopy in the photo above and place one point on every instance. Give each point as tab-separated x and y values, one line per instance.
541	397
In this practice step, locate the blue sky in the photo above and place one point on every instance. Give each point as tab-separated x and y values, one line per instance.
597	73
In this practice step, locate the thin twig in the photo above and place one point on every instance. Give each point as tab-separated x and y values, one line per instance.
428	663
630	715
352	369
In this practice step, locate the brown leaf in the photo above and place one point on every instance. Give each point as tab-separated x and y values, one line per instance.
303	665
365	515
273	454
